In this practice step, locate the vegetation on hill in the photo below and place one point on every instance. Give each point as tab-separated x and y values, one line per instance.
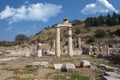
21	37
109	20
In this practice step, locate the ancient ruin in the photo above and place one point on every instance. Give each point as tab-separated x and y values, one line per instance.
57	47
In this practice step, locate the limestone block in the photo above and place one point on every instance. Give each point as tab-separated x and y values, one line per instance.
58	66
70	66
113	74
44	64
35	63
84	63
39	53
109	78
8	59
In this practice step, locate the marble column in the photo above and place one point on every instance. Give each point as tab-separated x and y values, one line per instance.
70	49
57	43
79	43
39	50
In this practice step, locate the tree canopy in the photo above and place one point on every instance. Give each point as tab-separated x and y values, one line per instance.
109	20
21	37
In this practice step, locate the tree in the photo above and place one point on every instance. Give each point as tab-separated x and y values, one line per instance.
99	33
115	19
101	20
21	37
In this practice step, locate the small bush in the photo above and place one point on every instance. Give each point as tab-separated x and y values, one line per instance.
91	40
79	77
78	31
99	33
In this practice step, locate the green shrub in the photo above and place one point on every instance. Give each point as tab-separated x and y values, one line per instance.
91	40
99	33
79	77
78	31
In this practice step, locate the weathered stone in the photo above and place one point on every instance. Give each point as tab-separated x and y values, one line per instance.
57	46
113	74
43	64
8	59
109	78
58	66
35	63
84	63
51	52
70	67
39	53
77	52
106	67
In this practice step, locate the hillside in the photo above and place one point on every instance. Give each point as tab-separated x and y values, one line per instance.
47	35
79	30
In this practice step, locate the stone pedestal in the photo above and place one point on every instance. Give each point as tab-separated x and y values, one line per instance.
57	43
70	49
39	53
39	50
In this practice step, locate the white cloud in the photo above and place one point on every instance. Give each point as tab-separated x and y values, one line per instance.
31	12
100	6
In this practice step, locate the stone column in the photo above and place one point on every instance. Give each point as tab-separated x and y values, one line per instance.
108	51
39	49
79	43
70	49
75	44
54	44
57	43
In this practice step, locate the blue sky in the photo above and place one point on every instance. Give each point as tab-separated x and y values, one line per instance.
30	16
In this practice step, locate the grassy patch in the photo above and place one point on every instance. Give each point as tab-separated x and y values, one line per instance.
113	64
73	76
30	70
51	67
78	77
19	78
67	60
26	70
66	76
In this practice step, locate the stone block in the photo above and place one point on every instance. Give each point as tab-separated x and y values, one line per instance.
84	63
70	67
58	66
113	74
